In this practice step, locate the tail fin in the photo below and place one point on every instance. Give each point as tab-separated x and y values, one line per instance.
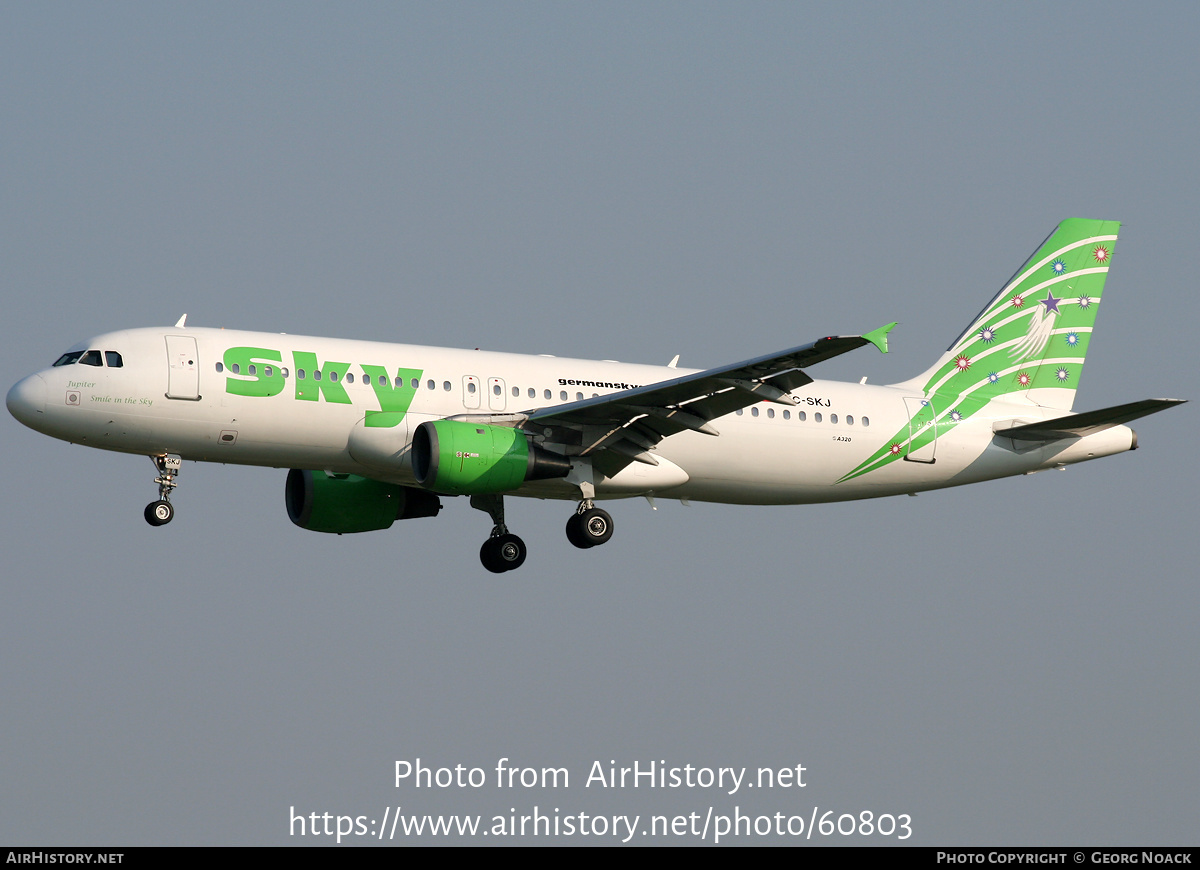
1028	344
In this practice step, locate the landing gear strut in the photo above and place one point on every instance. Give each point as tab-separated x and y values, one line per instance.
589	526
161	512
502	551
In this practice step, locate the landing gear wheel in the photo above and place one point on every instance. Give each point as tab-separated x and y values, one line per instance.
159	513
575	533
490	557
503	553
597	525
590	528
512	552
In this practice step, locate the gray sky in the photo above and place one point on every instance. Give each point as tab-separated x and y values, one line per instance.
1007	663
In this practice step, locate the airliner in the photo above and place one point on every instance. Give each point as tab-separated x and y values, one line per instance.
374	433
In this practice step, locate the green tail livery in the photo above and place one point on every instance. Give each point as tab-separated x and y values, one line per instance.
1027	346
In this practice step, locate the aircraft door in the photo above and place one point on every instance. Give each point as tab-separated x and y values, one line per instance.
471	391
496	394
183	368
922	431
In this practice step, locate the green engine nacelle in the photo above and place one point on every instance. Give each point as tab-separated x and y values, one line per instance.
462	458
343	503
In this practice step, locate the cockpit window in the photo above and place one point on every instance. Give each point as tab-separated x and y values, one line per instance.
113	359
91	358
70	358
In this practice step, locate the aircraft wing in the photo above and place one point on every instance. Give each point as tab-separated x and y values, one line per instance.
1078	425
622	427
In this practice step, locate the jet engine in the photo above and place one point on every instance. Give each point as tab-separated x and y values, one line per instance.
341	503
463	458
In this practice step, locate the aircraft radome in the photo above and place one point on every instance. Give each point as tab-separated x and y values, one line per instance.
375	433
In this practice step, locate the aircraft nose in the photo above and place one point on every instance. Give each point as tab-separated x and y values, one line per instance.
27	400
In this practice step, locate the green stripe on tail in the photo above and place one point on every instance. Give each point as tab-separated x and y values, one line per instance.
1026	346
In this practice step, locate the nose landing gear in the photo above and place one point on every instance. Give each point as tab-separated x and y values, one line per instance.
161	512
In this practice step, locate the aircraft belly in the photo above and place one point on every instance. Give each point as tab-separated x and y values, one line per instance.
775	465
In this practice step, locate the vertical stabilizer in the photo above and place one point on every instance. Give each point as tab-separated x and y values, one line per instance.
1028	344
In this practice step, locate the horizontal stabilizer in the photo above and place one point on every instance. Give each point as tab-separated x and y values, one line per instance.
1078	425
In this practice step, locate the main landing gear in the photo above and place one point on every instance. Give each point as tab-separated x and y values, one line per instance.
161	512
589	526
502	551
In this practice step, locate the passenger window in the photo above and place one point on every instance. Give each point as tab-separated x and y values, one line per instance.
299	374
579	397
113	359
547	394
817	417
532	393
349	377
787	415
801	416
495	389
516	392
833	418
91	358
849	420
562	395
866	421
470	386
429	384
284	372
738	412
237	369
446	386
251	369
220	367
771	413
754	411
333	376
68	359
268	371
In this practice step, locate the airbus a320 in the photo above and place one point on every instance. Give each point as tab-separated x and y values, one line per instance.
374	433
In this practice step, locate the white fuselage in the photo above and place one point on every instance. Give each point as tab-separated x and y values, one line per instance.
172	395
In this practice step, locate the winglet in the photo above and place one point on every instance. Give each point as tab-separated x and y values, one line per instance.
878	337
182	323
